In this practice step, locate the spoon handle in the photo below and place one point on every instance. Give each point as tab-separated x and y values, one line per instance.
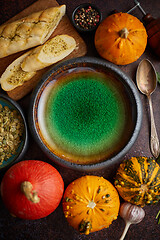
154	137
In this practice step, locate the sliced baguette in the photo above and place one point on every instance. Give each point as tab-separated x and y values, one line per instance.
51	52
14	76
26	66
30	31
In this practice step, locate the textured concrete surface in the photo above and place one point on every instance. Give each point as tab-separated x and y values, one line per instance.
55	226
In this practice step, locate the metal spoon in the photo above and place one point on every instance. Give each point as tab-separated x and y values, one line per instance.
147	83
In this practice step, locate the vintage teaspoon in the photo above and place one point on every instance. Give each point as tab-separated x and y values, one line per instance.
147	82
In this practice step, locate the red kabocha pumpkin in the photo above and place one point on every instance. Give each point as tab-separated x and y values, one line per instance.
121	38
32	189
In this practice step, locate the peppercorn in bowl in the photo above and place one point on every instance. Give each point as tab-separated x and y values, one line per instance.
86	17
13	132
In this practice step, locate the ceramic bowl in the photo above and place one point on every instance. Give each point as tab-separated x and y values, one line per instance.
124	133
22	147
79	24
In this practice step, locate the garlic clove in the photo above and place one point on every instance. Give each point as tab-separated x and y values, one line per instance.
132	214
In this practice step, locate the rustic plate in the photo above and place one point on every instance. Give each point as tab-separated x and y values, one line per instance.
21	150
118	126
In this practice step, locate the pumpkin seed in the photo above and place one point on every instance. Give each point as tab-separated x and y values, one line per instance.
11	131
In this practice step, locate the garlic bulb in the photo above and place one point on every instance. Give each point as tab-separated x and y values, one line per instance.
131	214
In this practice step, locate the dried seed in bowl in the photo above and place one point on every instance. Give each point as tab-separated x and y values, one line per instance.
11	131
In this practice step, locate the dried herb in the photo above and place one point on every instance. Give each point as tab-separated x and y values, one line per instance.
158	76
158	217
11	130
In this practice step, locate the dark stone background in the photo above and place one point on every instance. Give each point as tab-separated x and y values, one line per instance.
55	227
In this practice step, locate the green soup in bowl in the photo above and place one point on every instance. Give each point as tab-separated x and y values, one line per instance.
81	113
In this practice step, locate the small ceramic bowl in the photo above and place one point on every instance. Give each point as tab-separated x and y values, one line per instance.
22	147
86	17
67	120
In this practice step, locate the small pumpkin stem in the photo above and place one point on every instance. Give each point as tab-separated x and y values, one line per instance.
91	204
26	188
124	33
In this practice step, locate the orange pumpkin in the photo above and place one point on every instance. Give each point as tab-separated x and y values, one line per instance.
90	203
121	38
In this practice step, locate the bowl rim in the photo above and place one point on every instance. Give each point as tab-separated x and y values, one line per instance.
85	5
96	166
21	153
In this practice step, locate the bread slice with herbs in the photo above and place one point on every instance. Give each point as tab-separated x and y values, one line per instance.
51	52
14	76
29	31
27	65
